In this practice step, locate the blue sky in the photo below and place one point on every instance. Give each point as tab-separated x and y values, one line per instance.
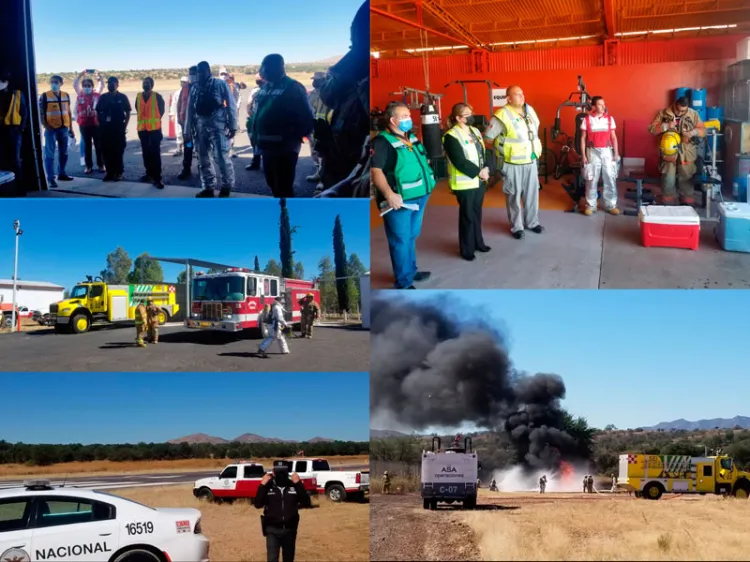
178	33
65	240
630	358
157	407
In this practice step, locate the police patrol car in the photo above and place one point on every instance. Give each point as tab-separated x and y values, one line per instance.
40	523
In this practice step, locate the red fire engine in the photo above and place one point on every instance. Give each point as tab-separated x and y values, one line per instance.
231	301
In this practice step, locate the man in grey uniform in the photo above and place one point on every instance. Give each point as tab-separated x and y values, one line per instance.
513	133
212	117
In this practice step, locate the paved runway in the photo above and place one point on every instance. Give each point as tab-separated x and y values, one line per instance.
334	348
115	481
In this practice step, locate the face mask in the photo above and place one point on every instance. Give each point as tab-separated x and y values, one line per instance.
87	90
3	85
224	77
111	88
55	87
405	125
470	120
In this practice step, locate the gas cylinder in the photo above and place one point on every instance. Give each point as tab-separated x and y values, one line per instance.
431	134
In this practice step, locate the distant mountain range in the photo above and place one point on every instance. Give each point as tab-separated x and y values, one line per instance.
197	438
721	423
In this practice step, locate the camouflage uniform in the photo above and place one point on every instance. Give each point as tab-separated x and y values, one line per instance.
141	318
310	312
681	166
152	312
386	483
211	132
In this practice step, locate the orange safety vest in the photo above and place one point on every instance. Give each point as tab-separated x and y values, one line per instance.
58	111
14	111
149	118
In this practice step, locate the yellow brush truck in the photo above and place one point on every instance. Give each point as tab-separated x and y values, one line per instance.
650	476
93	303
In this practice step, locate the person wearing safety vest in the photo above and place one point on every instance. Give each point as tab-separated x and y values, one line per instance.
252	107
212	121
14	116
56	115
600	156
402	175
467	177
181	116
513	132
149	107
113	112
686	122
84	113
320	111
283	119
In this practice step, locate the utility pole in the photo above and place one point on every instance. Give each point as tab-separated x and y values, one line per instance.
19	232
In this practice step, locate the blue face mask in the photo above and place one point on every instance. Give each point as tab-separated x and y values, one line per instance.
55	87
405	125
87	90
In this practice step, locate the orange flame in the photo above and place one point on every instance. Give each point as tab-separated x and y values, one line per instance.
566	472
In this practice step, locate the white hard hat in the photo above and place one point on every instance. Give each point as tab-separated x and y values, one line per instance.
223	70
184	79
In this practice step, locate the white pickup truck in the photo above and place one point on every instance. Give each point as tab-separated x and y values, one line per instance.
336	484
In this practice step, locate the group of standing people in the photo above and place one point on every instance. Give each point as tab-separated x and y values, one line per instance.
272	323
146	323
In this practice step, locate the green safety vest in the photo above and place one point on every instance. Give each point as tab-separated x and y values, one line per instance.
414	177
456	179
516	147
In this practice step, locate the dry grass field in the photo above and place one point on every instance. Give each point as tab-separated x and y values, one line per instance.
329	531
103	468
527	526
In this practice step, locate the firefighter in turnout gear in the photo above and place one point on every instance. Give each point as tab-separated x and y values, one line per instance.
152	312
276	330
386	483
264	320
591	484
310	312
679	167
585	483
141	319
542	484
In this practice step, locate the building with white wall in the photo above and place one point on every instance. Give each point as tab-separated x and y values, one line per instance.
36	295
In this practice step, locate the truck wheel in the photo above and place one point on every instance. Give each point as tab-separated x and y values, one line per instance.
163	317
433	505
336	493
80	324
7	321
470	503
653	491
426	504
138	555
741	493
206	494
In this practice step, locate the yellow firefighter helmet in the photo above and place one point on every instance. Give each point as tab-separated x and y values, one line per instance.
670	142
309	295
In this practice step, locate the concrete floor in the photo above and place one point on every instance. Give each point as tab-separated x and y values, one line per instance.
574	252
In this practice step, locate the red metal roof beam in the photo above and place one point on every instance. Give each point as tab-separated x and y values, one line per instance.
609	18
417	26
447	19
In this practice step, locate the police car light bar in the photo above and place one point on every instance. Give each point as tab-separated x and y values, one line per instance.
37	484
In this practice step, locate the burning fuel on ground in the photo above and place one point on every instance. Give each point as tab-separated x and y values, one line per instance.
437	364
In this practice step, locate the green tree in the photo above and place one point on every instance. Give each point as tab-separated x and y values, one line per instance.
339	257
256	266
578	428
273	268
285	241
354	266
118	267
146	270
327	283
299	270
182	277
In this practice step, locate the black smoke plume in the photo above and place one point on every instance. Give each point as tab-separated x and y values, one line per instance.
440	363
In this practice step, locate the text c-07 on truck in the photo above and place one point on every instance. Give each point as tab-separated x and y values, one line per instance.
94	302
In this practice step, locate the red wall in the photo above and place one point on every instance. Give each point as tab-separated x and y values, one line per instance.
633	91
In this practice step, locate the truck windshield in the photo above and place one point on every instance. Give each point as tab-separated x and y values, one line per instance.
230	288
726	464
79	291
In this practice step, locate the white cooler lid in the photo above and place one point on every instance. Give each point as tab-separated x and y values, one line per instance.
735	210
663	214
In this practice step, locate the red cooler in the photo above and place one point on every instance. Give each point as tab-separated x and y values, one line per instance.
670	227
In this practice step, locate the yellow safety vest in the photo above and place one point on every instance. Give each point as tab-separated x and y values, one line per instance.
14	111
319	108
58	112
517	147
149	118
457	180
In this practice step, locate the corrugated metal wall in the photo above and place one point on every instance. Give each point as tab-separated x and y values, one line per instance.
547	59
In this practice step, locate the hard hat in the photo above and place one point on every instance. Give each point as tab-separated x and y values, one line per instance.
223	70
184	79
309	295
670	142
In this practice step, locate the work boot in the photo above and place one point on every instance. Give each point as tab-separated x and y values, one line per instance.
147	179
422	276
64	177
205	193
225	192
538	229
184	174
141	343
118	177
262	354
159	184
52	183
615	211
518	234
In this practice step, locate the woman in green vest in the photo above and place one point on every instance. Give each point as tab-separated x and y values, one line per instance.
467	177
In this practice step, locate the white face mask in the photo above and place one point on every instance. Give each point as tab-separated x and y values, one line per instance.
3	85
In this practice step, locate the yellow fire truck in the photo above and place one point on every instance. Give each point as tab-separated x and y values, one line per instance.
93	303
650	476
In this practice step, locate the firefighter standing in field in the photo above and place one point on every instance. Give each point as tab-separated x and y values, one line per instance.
152	312
310	312
542	483
614	482
585	483
386	483
276	331
678	168
141	320
591	484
